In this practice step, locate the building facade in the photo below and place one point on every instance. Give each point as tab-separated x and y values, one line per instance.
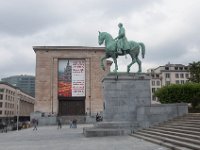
166	75
14	102
24	82
68	79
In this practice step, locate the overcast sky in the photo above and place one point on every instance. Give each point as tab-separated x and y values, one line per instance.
170	29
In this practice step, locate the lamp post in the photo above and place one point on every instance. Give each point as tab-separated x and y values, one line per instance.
18	109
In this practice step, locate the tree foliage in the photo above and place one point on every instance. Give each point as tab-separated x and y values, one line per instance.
195	72
177	93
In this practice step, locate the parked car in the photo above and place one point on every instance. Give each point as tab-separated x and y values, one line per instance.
26	124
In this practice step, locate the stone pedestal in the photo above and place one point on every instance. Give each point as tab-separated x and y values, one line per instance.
123	95
127	106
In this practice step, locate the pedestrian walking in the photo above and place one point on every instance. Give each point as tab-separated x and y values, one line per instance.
70	124
59	123
34	123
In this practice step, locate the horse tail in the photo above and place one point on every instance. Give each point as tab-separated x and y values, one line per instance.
143	49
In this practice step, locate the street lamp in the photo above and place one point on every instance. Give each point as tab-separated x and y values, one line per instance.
18	109
17	114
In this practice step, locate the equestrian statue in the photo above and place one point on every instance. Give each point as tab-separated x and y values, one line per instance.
120	46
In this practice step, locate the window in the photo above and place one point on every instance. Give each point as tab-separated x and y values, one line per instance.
176	75
1	104
157	83
0	112
1	96
153	82
166	68
1	90
157	75
167	75
177	81
153	90
182	81
182	75
187	75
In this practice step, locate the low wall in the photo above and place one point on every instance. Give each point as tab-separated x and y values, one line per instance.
159	113
46	119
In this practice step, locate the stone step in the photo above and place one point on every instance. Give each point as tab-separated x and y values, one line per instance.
178	130
170	140
182	124
184	139
100	132
116	125
160	142
190	118
190	115
193	114
185	120
187	135
192	128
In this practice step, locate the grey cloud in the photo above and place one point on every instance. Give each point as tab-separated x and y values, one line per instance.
75	22
118	8
26	17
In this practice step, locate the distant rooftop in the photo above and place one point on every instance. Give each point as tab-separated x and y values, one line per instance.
35	48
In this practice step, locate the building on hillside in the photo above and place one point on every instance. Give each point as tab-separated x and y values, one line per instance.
24	82
12	101
166	75
68	80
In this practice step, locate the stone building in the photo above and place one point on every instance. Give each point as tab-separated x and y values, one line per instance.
14	100
68	79
24	82
166	75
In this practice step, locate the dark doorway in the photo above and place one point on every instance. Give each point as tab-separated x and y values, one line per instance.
72	106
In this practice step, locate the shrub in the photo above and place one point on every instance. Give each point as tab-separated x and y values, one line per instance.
177	93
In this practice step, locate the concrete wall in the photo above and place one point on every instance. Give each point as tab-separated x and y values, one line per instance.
158	113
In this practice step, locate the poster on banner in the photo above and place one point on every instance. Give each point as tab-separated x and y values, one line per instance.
71	78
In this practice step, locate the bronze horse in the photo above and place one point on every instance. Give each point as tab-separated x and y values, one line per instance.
111	51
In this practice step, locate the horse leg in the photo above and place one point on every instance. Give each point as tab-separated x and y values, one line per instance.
115	61
129	66
139	65
133	61
102	65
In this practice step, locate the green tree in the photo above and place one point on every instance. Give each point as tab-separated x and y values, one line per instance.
177	93
195	72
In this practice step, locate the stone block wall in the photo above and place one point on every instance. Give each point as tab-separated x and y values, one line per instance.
159	113
123	96
47	58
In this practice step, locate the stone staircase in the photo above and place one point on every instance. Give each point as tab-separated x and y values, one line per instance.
182	133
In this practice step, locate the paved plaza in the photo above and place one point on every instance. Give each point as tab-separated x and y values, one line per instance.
49	138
